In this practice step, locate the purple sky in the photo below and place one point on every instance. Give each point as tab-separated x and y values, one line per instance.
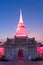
32	17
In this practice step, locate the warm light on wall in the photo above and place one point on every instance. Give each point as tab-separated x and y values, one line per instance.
1	51
40	50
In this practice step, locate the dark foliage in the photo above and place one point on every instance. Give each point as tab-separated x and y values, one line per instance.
2	58
37	59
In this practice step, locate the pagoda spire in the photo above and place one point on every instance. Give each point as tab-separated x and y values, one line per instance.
21	18
21	31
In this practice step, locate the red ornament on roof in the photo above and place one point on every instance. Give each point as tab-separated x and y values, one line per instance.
0	41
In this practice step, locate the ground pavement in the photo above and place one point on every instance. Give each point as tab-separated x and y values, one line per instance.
22	63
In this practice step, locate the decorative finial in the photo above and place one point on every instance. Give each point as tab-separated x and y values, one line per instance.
21	19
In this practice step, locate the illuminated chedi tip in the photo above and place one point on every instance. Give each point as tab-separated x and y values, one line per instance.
21	31
21	19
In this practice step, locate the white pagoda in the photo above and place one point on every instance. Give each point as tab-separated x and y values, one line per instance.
20	47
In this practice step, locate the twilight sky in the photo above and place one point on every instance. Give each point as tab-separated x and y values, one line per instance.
32	17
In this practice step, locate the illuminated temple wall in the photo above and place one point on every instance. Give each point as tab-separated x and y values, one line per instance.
11	53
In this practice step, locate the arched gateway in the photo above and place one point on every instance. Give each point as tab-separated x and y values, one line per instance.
20	54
